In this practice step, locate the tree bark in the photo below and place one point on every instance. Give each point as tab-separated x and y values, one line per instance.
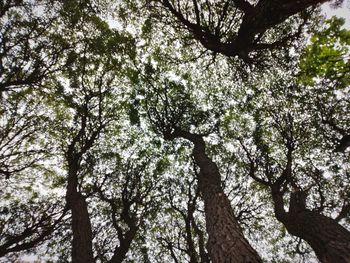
82	234
81	226
226	243
329	240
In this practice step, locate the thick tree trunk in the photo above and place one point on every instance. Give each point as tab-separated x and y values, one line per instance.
81	226
226	241
329	240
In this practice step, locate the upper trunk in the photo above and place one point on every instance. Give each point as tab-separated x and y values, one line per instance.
226	242
329	240
121	251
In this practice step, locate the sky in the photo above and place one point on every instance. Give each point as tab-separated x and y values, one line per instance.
343	11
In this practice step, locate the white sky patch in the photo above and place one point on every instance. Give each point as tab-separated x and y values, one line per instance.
113	23
342	11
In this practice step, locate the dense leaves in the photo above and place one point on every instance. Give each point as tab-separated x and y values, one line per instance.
123	140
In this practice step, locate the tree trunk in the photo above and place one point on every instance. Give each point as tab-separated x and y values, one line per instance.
81	226
121	251
226	242
329	240
82	233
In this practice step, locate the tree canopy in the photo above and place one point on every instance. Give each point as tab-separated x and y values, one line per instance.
174	131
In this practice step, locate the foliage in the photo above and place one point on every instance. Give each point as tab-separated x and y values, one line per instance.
90	90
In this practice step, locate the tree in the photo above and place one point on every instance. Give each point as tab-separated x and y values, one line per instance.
128	204
324	70
148	141
169	110
286	156
30	46
29	217
90	100
186	240
20	131
89	75
25	228
195	29
241	28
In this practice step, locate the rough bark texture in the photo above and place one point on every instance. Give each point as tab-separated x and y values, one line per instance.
226	243
329	240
